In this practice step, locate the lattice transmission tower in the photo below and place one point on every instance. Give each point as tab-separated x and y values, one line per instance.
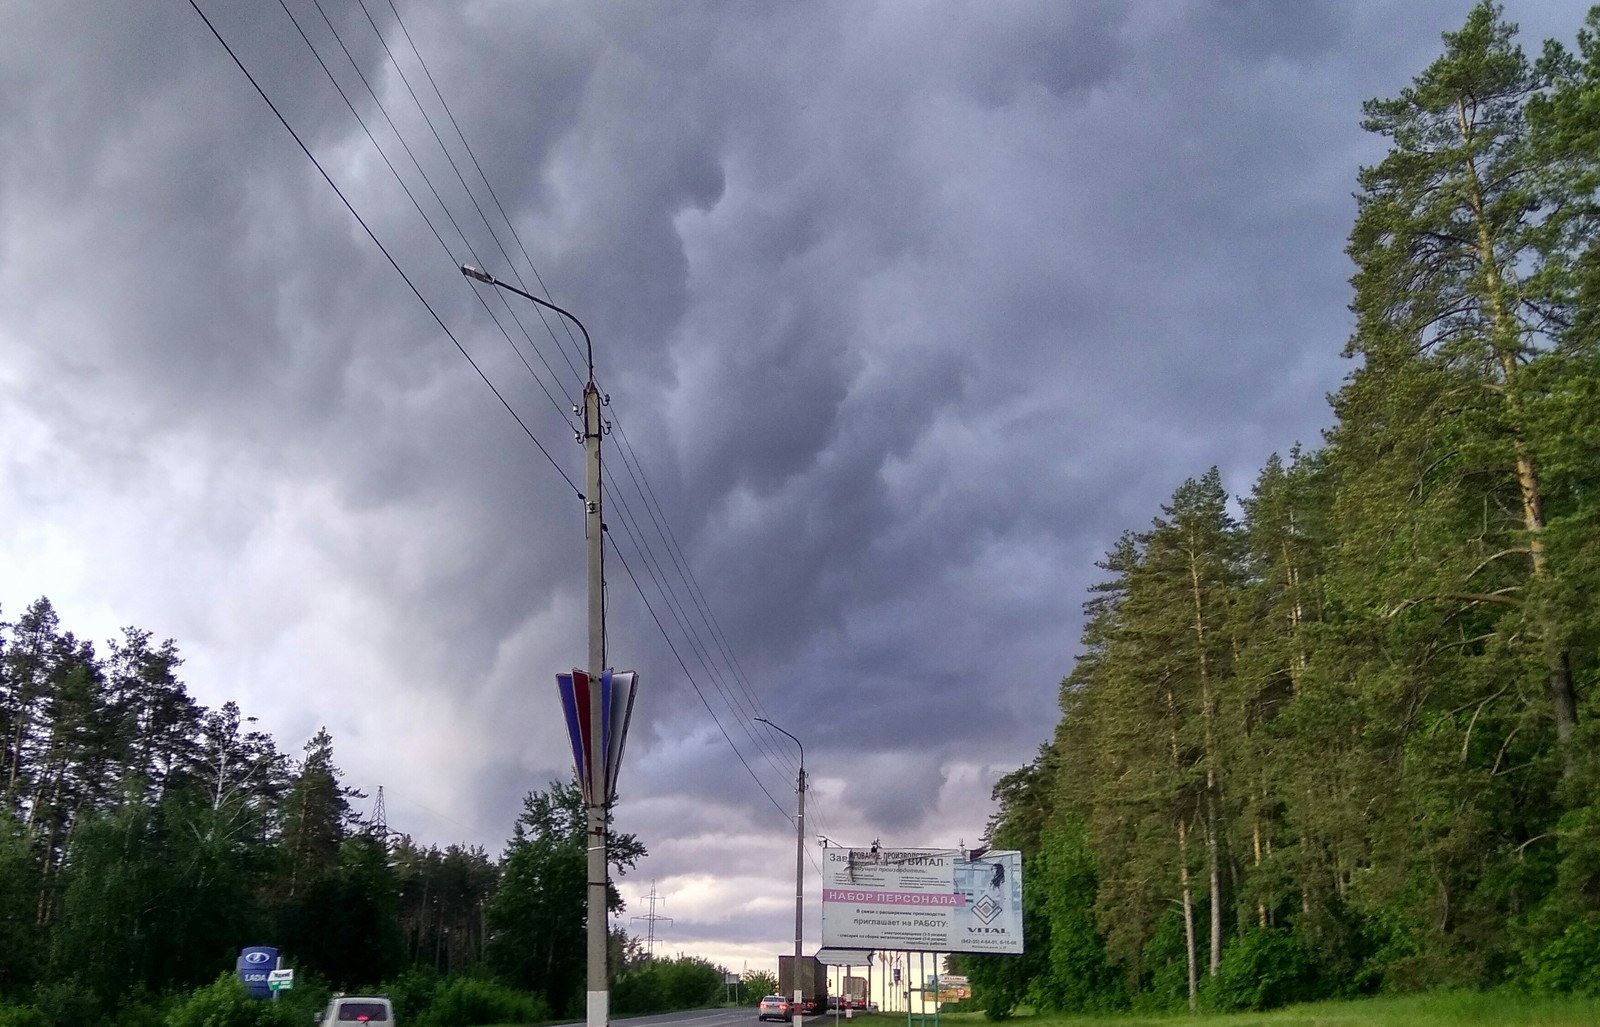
651	919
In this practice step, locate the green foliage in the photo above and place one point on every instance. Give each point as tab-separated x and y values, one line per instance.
70	1002
468	1002
412	993
22	1016
22	942
1263	970
758	984
346	925
1570	962
537	915
664	985
639	991
225	1003
689	982
1165	986
1081	978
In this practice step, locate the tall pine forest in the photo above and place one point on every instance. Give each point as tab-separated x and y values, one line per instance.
144	839
1339	734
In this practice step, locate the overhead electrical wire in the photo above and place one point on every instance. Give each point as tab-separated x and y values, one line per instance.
651	565
633	527
771	752
511	225
381	248
411	196
443	205
406	81
686	628
636	473
688	674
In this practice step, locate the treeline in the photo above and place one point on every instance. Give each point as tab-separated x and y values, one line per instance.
145	838
1340	736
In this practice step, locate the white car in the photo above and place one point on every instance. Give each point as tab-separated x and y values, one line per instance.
346	1010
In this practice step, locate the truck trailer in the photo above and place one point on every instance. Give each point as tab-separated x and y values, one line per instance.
812	983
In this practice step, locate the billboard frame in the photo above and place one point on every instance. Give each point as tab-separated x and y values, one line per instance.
923	900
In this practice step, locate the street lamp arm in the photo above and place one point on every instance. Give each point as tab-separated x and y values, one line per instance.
478	274
792	738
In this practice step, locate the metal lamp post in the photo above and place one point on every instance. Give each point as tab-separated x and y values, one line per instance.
799	868
599	995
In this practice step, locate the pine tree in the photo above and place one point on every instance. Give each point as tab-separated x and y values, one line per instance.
314	815
1452	306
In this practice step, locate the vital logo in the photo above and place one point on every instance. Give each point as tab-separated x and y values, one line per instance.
986	909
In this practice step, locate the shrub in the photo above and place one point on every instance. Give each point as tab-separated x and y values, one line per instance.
69	1003
639	991
1262	970
1570	962
225	1003
412	993
466	1002
141	1011
22	1016
689	982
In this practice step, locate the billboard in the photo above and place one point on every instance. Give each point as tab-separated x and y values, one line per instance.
922	900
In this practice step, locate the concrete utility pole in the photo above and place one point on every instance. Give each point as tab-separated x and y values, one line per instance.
599	1004
599	985
799	873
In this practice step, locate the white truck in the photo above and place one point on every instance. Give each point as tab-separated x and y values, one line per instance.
349	1010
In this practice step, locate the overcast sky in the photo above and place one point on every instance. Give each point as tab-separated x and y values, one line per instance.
905	309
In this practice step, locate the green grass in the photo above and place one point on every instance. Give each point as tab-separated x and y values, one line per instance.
1451	1009
1454	1009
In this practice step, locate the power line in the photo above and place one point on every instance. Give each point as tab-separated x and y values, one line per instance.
487	184
697	595
686	673
635	468
378	243
443	206
406	81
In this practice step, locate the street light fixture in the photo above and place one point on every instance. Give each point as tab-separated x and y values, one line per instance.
479	274
599	984
799	869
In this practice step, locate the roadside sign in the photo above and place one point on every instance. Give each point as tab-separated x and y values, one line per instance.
254	963
922	900
280	980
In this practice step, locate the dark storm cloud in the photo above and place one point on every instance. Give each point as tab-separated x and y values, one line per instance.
905	311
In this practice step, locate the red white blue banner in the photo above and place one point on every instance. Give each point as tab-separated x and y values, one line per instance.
615	692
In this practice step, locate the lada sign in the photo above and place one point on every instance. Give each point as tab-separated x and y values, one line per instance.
255	963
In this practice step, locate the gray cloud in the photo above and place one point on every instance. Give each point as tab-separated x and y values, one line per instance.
904	312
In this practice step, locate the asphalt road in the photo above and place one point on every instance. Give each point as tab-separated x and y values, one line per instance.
715	1018
693	1018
